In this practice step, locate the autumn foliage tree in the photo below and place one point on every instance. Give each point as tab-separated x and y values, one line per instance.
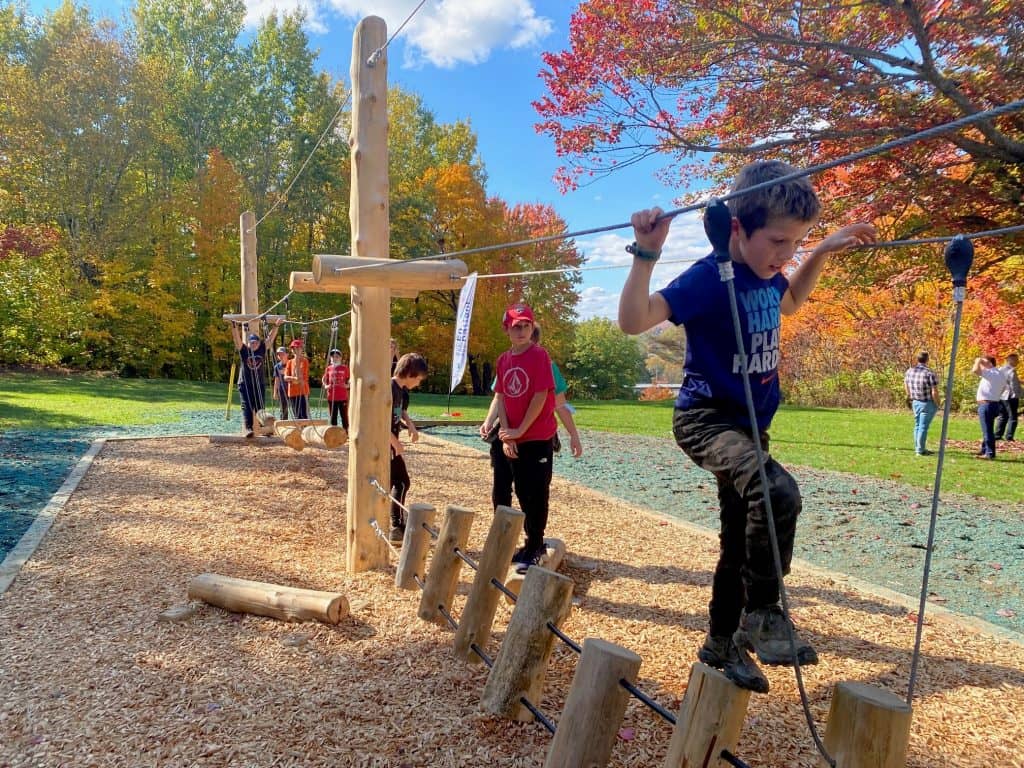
709	85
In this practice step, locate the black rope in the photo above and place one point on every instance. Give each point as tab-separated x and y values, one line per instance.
731	759
643	697
538	714
564	638
454	624
483	656
502	588
467	559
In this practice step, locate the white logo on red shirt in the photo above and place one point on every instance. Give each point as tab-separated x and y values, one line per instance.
515	382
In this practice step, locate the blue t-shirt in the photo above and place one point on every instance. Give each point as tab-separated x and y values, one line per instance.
279	381
698	300
250	375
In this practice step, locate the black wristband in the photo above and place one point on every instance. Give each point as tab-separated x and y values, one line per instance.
641	254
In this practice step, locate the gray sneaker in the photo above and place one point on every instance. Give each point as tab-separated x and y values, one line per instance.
396	535
735	663
765	631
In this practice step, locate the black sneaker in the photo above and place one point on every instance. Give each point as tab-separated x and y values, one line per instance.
524	558
766	631
722	653
249	433
396	535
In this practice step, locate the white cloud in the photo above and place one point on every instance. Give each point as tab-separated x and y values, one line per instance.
257	10
444	33
597	302
686	243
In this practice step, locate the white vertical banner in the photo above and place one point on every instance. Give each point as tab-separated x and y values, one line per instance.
462	318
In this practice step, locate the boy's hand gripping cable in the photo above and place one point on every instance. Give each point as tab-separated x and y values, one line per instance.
718	228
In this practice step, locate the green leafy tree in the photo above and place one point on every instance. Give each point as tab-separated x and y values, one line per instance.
605	363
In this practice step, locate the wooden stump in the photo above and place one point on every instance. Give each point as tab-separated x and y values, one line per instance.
288	603
444	566
868	727
550	560
519	669
327	438
594	708
412	562
710	719
478	615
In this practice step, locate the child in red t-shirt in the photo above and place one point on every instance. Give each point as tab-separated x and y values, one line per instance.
335	382
525	395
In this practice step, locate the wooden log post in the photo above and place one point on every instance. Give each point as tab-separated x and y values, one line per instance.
344	272
370	395
412	562
521	663
443	576
273	600
250	284
478	615
303	282
326	437
868	727
710	719
594	708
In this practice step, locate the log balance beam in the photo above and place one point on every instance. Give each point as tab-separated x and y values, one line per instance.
273	600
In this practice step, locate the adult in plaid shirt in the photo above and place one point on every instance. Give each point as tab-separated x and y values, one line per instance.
922	388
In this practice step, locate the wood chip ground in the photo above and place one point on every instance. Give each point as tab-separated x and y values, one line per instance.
91	675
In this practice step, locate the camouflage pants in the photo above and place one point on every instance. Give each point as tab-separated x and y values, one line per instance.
745	574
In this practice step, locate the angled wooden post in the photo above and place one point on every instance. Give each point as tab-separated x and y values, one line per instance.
478	615
522	662
710	719
594	708
412	563
370	395
443	576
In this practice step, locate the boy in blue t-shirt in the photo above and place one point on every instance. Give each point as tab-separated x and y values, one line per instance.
711	422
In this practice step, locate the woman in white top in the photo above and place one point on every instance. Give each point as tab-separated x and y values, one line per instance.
990	391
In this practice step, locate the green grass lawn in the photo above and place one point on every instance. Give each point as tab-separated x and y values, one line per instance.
47	401
864	442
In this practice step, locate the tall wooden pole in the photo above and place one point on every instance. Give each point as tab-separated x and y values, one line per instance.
370	395
250	287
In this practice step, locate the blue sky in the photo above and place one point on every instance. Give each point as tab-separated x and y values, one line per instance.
479	60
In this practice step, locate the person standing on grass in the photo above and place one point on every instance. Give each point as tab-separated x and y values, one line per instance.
922	388
711	421
989	397
296	373
1006	421
410	371
280	385
251	376
335	381
524	398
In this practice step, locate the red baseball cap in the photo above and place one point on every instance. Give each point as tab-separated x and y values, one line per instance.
296	343
514	314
